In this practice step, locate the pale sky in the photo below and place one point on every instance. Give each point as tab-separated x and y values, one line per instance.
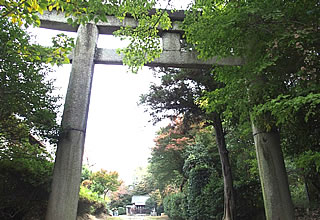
119	136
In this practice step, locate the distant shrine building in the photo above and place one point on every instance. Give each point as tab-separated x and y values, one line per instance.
138	205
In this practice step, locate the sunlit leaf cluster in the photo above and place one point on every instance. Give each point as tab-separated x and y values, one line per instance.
144	39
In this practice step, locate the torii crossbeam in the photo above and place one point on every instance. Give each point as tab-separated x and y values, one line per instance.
173	55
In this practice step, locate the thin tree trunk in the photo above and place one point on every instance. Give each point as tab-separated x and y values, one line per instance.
229	200
306	188
184	180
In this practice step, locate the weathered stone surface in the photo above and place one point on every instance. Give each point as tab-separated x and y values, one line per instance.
171	41
179	59
64	196
57	21
273	176
172	55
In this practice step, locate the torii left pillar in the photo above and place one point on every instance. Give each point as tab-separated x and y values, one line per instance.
64	196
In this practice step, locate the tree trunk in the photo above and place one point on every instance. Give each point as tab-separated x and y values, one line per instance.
273	176
307	193
229	200
63	200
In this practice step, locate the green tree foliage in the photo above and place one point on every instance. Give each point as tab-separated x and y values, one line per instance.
90	202
176	95
168	155
104	181
24	185
204	188
198	205
205	184
144	44
94	188
27	11
279	43
25	176
174	206
145	37
246	175
202	152
142	187
198	154
179	93
27	114
86	173
121	198
25	100
150	205
26	97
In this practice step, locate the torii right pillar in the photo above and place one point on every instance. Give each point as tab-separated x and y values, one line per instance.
274	181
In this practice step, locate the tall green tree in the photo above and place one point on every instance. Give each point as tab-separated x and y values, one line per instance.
104	182
179	93
142	184
121	197
27	116
205	187
278	41
26	96
168	156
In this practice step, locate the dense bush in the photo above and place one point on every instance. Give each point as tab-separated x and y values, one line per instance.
24	188
249	201
160	209
199	177
150	205
120	202
90	207
90	202
121	211
174	206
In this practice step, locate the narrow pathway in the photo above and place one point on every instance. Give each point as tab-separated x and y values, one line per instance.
122	217
125	217
137	217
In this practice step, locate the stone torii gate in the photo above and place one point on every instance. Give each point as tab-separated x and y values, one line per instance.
68	164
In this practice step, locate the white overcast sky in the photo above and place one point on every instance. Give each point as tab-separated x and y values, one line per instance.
119	136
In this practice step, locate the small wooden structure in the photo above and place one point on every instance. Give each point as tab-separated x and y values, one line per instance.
138	205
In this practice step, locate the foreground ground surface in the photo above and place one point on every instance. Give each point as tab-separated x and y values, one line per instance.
123	217
301	214
137	218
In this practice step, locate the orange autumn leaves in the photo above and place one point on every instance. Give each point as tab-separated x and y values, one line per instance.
172	137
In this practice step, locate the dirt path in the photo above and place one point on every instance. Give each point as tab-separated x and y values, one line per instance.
129	218
123	217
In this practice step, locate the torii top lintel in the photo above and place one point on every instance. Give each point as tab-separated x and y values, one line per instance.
57	21
173	55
